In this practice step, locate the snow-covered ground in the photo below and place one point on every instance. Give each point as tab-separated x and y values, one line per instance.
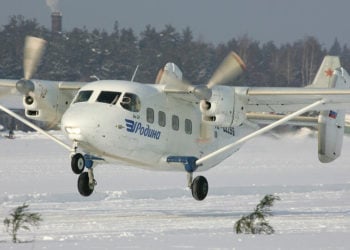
138	209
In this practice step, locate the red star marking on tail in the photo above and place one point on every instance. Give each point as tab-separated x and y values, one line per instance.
329	72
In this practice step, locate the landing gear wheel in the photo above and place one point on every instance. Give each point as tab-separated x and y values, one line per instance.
84	187
200	188
78	163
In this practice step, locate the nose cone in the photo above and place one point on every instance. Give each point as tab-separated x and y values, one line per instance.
74	123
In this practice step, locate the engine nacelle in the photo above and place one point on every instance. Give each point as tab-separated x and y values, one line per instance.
47	102
224	108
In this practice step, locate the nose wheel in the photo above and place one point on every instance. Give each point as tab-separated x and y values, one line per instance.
78	163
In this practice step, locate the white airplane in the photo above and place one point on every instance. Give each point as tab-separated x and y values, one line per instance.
172	125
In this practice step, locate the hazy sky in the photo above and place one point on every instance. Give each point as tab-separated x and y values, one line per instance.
213	20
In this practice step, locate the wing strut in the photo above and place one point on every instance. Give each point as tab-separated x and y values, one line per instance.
33	126
260	131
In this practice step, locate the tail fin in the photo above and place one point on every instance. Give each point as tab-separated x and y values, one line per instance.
324	76
170	70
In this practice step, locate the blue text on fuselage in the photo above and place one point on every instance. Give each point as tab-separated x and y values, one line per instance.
137	128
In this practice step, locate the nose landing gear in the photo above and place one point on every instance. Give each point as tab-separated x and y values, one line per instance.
86	180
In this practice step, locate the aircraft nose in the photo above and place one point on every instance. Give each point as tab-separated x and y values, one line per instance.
74	123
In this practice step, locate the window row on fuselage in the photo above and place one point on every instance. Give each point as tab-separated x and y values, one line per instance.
131	102
175	120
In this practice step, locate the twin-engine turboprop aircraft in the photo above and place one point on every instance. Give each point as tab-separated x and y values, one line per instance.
172	125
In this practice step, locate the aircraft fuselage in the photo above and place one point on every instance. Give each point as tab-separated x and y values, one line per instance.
138	124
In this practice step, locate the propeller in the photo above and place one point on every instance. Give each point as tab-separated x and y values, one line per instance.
231	67
33	50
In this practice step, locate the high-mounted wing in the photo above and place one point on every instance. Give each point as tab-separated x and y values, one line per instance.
331	82
329	93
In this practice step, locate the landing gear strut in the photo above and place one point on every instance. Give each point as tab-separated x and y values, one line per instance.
199	186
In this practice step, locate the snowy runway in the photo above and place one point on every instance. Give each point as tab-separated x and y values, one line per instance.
137	209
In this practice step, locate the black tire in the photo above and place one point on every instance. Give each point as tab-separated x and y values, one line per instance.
83	185
78	163
200	188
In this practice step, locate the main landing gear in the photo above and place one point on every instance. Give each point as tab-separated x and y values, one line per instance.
86	180
199	186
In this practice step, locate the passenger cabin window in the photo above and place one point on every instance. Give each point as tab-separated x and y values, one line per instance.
188	126
83	96
161	119
175	122
108	97
131	102
150	115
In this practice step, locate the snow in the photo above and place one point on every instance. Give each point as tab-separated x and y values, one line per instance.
138	209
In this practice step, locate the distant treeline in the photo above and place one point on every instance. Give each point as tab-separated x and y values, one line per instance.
79	53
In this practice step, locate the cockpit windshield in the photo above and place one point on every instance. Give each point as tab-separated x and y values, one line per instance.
128	101
131	102
83	96
108	97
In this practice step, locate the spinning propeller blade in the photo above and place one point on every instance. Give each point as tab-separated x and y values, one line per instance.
33	51
230	68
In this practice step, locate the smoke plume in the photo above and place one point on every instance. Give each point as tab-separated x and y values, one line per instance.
53	5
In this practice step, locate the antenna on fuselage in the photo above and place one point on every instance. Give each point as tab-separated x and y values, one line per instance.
133	75
95	77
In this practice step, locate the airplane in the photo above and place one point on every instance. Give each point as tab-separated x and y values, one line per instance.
172	125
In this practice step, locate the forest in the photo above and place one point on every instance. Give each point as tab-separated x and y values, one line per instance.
78	54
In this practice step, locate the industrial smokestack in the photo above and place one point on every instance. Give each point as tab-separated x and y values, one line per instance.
56	22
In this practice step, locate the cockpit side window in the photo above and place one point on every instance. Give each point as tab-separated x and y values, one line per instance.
131	102
108	97
83	96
